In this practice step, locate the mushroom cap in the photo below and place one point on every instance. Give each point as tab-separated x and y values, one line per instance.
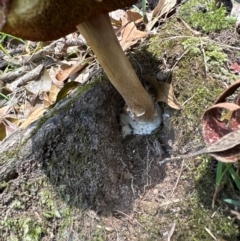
44	20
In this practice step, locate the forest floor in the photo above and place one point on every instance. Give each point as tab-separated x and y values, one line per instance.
90	183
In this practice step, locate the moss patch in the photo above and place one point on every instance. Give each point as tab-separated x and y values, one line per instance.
206	16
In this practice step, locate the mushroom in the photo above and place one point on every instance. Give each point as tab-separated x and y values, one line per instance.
49	19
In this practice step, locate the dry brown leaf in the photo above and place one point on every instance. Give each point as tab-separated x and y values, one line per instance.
8	122
33	117
164	92
130	34
68	87
53	93
237	214
10	127
115	22
53	73
133	16
3	111
78	67
46	100
2	131
50	97
164	6
116	16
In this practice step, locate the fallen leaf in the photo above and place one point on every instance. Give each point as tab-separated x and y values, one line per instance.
52	74
133	16
2	131
221	125
43	83
130	35
164	6
51	96
116	16
164	93
237	214
68	87
116	23
82	78
35	115
8	122
235	67
9	127
78	67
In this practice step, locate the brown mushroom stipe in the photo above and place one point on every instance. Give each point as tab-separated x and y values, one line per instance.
47	20
101	38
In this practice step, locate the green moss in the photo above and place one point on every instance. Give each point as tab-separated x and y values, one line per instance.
27	228
193	86
206	16
196	62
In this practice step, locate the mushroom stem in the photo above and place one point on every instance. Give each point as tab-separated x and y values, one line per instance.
99	34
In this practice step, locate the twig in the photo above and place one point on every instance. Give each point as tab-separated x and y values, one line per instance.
10	76
178	158
209	232
205	38
227	142
148	177
180	173
132	186
170	234
31	75
129	219
179	60
188	27
204	58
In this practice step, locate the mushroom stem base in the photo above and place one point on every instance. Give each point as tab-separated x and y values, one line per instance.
99	33
133	127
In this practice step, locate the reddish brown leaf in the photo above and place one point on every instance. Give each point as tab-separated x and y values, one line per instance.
222	122
235	67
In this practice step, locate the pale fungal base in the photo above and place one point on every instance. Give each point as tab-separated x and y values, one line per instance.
130	126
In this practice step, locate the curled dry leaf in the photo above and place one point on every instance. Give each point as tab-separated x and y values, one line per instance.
164	6
8	122
51	96
235	68
35	115
164	92
78	67
237	214
68	87
53	75
130	35
116	16
10	126
221	125
133	16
